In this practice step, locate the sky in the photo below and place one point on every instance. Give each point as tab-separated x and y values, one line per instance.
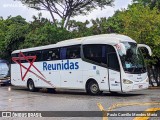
14	8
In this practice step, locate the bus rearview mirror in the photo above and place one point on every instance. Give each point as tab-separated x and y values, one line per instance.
147	47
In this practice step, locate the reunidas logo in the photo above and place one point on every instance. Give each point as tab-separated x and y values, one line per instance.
61	66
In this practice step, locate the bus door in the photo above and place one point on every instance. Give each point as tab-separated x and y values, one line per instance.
114	77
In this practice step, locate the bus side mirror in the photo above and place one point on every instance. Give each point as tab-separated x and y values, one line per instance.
147	47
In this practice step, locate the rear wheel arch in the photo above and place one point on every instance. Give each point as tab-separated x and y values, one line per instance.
90	85
31	85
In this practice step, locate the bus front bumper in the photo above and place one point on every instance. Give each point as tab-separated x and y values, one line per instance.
135	87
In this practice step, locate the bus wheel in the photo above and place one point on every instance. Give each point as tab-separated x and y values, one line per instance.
31	86
93	88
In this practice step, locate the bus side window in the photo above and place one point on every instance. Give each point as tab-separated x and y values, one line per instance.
49	55
45	55
38	56
96	53
25	54
32	53
55	54
73	52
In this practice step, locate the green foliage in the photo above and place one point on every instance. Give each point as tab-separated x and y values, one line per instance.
151	3
113	24
79	29
3	29
142	24
99	26
43	32
12	34
46	34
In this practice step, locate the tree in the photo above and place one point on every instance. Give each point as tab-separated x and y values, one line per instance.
98	26
66	9
113	24
150	3
12	34
43	32
142	24
3	29
79	29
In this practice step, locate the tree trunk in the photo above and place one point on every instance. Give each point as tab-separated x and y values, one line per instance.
66	21
154	76
54	21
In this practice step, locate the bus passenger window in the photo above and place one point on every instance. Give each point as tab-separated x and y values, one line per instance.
39	56
95	53
50	55
73	56
47	54
55	54
31	53
73	52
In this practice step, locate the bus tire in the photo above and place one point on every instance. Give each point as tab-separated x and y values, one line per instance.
93	88
31	86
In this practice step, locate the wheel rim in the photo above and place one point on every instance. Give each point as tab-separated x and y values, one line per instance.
31	85
94	88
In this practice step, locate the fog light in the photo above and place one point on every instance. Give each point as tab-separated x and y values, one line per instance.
127	81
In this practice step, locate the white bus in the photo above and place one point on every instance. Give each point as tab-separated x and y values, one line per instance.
108	62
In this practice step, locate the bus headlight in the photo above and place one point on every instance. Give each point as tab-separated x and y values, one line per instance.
125	81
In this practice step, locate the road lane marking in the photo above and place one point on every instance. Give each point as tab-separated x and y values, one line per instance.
103	111
100	106
150	110
118	105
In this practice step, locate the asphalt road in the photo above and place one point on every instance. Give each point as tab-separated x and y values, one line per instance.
20	99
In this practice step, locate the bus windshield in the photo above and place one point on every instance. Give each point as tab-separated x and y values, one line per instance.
133	61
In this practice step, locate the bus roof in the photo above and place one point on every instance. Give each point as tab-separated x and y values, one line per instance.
111	39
